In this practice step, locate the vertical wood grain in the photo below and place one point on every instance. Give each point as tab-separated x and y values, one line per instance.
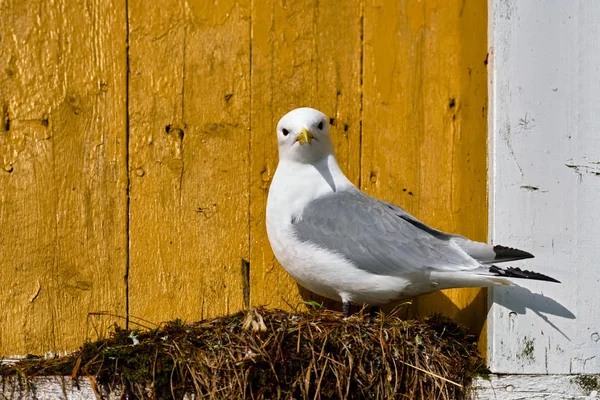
424	136
545	186
304	53
403	81
63	180
189	119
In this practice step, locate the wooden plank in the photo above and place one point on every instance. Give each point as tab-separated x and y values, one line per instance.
304	53
506	387
63	180
189	104
546	186
542	387
52	387
424	124
197	85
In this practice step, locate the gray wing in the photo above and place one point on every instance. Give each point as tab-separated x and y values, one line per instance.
376	236
482	252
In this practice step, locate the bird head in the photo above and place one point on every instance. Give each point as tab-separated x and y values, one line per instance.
303	136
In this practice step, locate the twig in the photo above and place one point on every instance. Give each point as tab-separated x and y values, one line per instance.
432	374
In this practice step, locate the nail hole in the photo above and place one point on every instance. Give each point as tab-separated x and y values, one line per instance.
174	130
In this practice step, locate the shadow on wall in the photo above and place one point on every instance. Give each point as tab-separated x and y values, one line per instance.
518	299
515	298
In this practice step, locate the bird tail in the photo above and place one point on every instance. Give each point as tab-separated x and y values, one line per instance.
510	272
485	276
487	253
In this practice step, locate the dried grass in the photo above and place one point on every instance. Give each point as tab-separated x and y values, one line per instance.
271	354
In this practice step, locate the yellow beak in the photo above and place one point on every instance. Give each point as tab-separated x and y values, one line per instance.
305	136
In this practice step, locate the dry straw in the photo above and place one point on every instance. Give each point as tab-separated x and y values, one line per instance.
271	354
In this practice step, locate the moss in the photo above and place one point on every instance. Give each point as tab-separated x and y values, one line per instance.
264	353
528	349
588	383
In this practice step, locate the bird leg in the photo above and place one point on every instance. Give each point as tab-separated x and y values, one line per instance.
373	313
346	309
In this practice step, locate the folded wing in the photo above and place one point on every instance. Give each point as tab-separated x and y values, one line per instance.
377	237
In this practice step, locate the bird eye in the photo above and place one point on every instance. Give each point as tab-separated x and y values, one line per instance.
285	132
320	126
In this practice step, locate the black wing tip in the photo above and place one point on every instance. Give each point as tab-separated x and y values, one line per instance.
511	272
504	252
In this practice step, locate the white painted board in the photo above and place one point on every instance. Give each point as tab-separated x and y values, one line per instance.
545	183
494	387
50	388
62	388
534	387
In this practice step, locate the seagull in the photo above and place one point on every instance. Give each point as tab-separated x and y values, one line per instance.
345	245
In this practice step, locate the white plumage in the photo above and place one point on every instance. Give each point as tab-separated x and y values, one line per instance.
342	244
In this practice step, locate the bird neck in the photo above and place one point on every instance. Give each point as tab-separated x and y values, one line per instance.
299	183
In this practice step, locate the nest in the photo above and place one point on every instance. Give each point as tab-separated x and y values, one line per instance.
271	354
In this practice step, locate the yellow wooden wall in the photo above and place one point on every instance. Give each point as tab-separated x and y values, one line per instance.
137	145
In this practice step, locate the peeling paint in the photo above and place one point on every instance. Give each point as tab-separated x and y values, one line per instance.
526	123
584	166
506	137
530	188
